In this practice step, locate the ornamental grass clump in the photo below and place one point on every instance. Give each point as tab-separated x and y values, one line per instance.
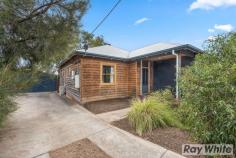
153	112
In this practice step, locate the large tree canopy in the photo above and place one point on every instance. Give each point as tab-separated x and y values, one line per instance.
34	35
91	40
38	31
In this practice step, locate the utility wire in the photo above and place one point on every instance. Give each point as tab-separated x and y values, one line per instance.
85	46
100	23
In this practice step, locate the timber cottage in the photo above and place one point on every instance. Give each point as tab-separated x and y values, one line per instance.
107	72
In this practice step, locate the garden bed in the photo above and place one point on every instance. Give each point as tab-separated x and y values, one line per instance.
107	105
81	149
170	138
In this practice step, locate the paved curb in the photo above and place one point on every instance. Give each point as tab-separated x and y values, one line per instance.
114	115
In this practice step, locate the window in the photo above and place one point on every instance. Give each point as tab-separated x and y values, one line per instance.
72	74
108	74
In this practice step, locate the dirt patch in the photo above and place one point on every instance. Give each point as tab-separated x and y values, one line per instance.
170	138
107	105
81	149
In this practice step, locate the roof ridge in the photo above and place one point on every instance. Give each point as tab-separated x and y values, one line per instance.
148	45
120	48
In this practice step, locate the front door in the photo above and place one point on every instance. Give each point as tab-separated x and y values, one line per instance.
145	80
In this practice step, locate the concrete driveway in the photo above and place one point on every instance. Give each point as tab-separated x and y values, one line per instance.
44	122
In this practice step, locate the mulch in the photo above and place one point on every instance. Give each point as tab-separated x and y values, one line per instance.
107	105
80	149
170	138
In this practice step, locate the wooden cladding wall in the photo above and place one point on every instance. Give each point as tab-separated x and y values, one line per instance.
66	79
91	87
151	76
132	78
138	79
127	78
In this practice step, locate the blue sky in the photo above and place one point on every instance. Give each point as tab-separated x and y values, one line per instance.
135	24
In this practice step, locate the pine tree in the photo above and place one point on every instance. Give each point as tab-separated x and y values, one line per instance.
34	35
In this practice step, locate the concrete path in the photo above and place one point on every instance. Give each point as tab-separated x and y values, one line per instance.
45	122
114	115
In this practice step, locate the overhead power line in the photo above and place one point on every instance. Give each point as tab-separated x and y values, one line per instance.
85	46
112	9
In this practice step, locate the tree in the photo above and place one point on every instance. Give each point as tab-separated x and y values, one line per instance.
208	103
91	40
34	34
38	31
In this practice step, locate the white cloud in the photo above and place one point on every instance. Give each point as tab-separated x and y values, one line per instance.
212	38
142	20
210	4
222	27
211	30
226	27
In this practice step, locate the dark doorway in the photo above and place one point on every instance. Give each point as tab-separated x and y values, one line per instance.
186	61
164	74
145	80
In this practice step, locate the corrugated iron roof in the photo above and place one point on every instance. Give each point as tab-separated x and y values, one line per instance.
111	52
107	50
152	48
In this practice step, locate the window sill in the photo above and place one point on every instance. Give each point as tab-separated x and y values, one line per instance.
107	84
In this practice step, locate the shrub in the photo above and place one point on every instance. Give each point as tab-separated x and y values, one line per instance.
152	112
208	87
9	83
164	96
6	106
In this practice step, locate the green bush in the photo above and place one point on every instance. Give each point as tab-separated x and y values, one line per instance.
6	106
153	112
164	96
208	88
11	83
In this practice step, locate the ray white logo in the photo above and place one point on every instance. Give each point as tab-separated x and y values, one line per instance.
207	149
